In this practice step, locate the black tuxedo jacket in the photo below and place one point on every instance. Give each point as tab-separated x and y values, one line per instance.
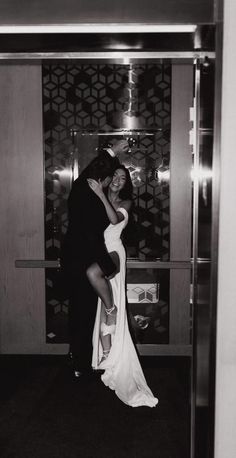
87	220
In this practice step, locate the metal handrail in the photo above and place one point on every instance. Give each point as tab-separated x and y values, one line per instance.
131	263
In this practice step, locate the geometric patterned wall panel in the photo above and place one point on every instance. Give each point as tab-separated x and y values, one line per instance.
148	296
84	97
151	196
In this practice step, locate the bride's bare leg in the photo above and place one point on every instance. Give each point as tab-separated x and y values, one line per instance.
102	286
105	339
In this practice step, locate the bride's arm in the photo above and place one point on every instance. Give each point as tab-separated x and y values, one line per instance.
114	216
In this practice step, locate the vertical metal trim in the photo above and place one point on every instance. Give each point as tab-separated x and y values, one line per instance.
215	231
195	249
180	201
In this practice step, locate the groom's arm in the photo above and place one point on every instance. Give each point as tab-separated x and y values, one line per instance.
117	147
110	153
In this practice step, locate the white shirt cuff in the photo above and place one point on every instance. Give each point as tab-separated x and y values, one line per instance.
109	150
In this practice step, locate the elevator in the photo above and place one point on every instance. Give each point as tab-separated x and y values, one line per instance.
171	160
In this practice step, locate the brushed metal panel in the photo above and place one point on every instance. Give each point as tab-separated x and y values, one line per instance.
33	12
121	45
81	42
181	163
180	202
179	307
164	350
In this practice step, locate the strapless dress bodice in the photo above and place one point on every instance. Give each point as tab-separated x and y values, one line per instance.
113	232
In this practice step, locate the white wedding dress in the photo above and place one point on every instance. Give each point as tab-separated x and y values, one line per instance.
122	369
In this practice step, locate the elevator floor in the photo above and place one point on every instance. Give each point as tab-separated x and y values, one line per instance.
44	413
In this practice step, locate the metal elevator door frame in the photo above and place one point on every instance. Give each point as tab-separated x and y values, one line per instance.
126	57
205	192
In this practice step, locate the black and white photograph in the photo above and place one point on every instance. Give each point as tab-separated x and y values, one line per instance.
118	223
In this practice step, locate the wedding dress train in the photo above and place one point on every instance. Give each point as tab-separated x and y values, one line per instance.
122	369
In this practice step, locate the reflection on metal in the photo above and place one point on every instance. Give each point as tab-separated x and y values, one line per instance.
159	171
201	273
120	132
128	118
74	158
110	57
194	280
216	164
133	135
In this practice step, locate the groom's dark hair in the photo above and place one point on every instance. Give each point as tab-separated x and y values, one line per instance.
101	166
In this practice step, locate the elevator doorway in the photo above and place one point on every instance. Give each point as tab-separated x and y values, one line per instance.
79	105
181	275
170	161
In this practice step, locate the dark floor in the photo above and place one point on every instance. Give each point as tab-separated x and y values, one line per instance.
44	413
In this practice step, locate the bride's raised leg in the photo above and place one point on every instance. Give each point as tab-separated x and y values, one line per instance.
105	337
102	286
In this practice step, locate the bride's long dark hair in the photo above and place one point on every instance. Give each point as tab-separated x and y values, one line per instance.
127	191
129	234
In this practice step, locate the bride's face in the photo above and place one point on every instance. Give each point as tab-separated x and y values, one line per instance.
118	180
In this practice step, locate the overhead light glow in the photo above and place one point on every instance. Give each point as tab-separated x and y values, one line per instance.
99	28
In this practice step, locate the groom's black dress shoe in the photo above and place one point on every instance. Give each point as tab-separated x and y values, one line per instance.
81	374
86	376
77	374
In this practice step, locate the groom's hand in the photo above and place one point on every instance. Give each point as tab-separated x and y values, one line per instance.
119	146
96	187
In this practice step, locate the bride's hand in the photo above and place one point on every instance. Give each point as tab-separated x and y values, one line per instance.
96	187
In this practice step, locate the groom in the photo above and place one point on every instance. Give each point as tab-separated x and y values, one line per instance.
84	245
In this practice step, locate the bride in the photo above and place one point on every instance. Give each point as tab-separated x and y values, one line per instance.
113	348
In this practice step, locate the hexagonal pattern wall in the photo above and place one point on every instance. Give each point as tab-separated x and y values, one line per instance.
84	97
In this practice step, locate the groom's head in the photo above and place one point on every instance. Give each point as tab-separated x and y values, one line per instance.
101	168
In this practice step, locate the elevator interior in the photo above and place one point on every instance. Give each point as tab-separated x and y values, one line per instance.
170	130
179	148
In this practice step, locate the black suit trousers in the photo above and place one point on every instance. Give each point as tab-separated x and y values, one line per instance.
82	311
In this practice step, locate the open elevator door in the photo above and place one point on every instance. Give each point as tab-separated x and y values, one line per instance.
159	239
19	51
168	278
